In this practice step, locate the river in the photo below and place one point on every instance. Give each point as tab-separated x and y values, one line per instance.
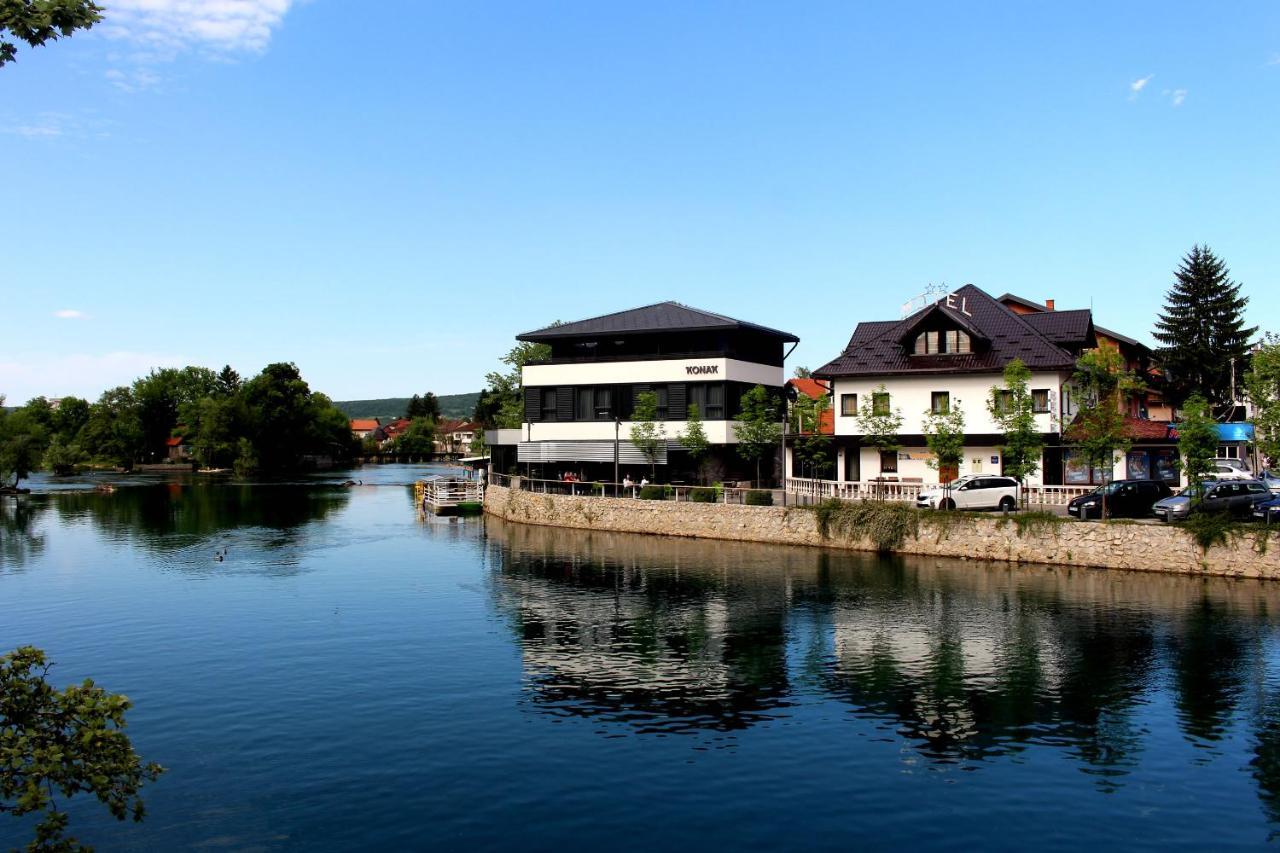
352	675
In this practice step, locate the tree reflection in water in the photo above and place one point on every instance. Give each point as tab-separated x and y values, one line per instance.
964	661
21	537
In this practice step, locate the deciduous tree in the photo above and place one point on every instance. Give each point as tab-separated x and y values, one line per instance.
1197	440
694	439
880	423
61	743
648	434
1263	386
1100	431
1013	409
944	436
758	427
39	21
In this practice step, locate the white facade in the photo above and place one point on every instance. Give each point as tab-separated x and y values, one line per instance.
657	370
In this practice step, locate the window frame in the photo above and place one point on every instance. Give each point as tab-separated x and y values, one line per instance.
945	397
890	455
1036	408
876	398
545	411
847	411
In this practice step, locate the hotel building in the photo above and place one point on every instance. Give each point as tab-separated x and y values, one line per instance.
578	402
951	353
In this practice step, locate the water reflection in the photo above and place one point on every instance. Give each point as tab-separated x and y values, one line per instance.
21	536
966	663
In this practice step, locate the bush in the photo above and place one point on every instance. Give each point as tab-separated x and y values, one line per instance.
887	524
758	497
653	493
703	496
1208	529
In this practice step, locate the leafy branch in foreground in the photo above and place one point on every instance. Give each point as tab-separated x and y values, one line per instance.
62	743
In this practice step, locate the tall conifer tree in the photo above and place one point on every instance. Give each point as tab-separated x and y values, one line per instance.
1202	330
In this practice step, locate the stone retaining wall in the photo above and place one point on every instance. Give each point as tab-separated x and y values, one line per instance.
1114	545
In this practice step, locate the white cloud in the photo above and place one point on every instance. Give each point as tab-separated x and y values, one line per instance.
165	28
50	127
134	80
81	374
1138	85
1177	96
70	314
1274	60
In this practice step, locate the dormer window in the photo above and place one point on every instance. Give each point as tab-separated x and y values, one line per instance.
952	342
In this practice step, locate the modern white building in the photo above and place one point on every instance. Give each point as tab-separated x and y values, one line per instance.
950	354
578	403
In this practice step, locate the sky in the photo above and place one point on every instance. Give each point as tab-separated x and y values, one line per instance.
386	194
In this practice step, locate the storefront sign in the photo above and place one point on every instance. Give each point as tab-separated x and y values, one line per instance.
702	369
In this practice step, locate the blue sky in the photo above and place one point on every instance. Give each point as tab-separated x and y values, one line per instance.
386	197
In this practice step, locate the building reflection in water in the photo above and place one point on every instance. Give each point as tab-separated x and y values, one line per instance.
965	662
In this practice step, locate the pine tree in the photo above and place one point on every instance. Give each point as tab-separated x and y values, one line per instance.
1202	330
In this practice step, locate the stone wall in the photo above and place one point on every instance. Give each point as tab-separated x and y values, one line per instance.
1114	545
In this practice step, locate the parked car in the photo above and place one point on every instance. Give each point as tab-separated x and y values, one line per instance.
973	491
1237	497
1232	462
1268	511
1222	470
1272	479
1125	499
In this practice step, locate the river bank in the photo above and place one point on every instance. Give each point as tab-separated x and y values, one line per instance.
1110	545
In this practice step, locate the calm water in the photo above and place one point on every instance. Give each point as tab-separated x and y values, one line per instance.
352	676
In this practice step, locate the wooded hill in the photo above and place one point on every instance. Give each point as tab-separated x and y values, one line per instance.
390	408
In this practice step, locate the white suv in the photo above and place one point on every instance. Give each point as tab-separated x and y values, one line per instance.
973	491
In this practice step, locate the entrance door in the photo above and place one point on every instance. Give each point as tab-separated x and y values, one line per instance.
852	466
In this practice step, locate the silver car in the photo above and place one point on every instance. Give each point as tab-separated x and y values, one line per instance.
1236	497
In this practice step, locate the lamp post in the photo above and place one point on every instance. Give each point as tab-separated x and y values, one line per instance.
617	426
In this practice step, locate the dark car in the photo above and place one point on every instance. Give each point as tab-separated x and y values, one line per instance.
1125	499
1236	497
1268	511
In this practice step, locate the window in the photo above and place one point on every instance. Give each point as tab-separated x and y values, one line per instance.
940	403
952	342
548	404
586	405
603	404
880	403
1040	400
709	399
888	462
1004	402
848	405
660	391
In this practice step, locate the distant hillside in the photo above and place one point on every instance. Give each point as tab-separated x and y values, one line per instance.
451	406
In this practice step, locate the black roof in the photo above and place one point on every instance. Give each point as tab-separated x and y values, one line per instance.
1044	309
877	348
660	317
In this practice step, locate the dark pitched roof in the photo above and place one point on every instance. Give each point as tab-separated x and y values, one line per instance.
1038	308
1070	328
876	348
660	317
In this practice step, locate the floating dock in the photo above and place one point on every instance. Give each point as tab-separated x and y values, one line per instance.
447	496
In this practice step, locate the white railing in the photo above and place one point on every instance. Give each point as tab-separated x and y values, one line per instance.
718	493
908	492
439	492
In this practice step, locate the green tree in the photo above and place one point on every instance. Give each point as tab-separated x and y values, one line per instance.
228	382
418	439
70	417
1100	431
880	423
758	427
22	443
812	447
802	373
694	439
1263	386
39	21
246	462
1013	409
60	743
1202	331
1197	441
647	433
944	436
61	459
504	405
113	433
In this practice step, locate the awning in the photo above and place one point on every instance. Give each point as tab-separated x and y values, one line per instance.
1227	433
585	451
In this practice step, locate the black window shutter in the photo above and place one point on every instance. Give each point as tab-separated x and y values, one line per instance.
678	402
532	404
564	403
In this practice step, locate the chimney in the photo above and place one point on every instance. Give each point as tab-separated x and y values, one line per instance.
1048	303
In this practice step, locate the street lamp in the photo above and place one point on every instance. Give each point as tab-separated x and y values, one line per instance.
617	426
